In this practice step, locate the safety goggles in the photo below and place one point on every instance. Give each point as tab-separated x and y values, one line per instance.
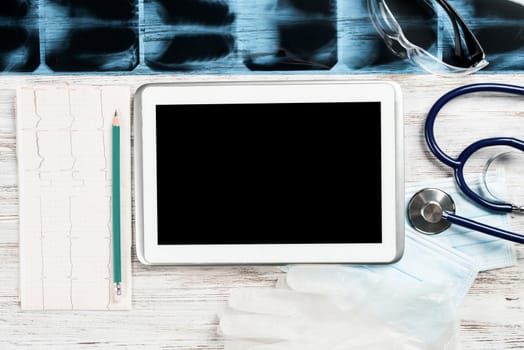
430	33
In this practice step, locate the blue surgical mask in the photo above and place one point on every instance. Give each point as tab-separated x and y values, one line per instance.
489	252
426	261
430	279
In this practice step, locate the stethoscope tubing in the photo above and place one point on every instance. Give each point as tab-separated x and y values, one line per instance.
480	227
457	164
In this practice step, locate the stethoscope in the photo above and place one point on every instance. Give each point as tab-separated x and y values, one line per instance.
432	210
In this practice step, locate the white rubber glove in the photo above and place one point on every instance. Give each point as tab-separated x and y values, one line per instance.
271	319
408	305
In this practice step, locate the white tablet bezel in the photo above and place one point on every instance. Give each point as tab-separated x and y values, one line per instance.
387	93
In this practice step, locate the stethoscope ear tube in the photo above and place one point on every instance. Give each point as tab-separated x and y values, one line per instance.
430	215
500	156
467	153
458	164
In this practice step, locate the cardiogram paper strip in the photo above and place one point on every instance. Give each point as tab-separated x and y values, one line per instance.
64	170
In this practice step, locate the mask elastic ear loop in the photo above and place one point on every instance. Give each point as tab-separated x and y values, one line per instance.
498	156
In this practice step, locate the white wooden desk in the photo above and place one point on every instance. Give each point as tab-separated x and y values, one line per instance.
175	308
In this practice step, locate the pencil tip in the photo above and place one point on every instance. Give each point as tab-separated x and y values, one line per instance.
116	122
116	113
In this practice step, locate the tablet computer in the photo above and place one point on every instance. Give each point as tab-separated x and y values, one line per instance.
269	172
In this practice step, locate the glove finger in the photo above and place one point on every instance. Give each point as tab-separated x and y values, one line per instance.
386	339
281	283
239	344
354	283
321	330
284	345
257	327
282	302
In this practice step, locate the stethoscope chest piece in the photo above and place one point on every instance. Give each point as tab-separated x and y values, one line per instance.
426	210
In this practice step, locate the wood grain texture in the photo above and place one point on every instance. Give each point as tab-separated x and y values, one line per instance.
175	307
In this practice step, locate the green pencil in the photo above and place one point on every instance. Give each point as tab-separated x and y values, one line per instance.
117	262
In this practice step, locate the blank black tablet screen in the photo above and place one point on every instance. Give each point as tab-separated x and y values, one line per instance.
269	173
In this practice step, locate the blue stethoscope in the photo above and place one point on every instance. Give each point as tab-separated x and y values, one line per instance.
431	210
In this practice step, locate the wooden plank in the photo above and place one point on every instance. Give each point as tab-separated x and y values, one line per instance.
175	307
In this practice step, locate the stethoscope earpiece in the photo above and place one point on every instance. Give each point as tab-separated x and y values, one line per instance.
499	157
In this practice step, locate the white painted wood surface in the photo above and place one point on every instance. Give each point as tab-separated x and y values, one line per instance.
175	307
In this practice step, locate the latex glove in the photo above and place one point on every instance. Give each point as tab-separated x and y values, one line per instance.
408	305
274	319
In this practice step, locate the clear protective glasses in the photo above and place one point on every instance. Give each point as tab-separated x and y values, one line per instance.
430	33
